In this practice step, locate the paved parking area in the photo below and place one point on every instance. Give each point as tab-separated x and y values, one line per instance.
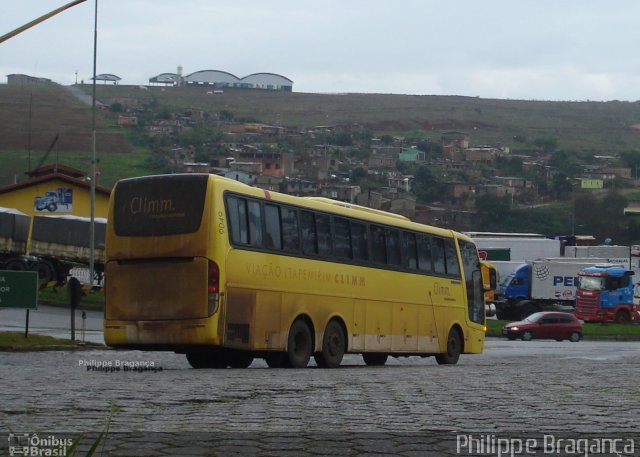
411	406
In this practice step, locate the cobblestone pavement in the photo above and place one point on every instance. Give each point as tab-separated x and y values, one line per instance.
411	406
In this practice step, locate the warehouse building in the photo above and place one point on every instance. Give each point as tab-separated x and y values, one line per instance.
223	79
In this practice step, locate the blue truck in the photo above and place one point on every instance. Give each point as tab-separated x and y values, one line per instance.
539	285
605	294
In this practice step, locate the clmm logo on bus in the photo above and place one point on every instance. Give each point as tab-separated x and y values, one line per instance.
142	205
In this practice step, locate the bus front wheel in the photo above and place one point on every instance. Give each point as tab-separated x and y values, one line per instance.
333	346
299	345
454	348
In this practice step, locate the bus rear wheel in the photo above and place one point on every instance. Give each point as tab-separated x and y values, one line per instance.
207	359
333	346
374	359
299	344
454	348
240	359
277	360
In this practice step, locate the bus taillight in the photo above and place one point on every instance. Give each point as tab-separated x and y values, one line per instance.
213	287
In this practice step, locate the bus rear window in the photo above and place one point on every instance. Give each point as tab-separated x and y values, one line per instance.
159	205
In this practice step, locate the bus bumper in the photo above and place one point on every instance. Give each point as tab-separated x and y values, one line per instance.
165	333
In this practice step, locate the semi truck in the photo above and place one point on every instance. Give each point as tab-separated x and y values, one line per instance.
605	293
539	285
56	245
63	242
14	236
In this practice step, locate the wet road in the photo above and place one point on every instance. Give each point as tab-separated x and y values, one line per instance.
514	391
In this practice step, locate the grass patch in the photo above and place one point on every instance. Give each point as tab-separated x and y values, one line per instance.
57	296
17	339
608	331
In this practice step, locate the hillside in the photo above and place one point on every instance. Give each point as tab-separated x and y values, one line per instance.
31	116
582	126
35	114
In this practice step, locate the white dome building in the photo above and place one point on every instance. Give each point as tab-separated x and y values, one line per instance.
222	79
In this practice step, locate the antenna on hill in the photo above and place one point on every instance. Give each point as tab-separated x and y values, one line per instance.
29	128
46	154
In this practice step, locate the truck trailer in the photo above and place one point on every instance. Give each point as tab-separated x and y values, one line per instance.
522	249
14	237
62	242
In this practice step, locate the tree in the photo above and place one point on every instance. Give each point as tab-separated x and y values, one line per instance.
116	107
491	210
340	139
510	166
546	144
426	186
632	160
386	139
561	187
225	115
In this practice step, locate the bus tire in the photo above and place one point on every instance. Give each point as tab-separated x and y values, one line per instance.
333	346
240	359
454	348
374	359
299	344
207	359
276	360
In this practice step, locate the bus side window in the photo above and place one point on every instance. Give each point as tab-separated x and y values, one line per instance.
238	219
451	258
273	237
323	229
342	238
255	224
409	259
359	244
378	251
290	234
309	235
437	253
424	253
393	247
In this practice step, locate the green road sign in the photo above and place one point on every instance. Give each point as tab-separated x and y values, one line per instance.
18	289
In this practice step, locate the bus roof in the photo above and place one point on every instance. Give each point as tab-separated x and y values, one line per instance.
334	206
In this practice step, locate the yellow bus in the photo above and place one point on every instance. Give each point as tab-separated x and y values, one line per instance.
225	273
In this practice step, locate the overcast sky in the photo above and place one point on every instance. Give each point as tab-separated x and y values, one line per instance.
508	49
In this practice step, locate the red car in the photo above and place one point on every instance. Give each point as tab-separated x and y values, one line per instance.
549	325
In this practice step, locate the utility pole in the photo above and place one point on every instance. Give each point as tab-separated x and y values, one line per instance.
92	197
43	18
